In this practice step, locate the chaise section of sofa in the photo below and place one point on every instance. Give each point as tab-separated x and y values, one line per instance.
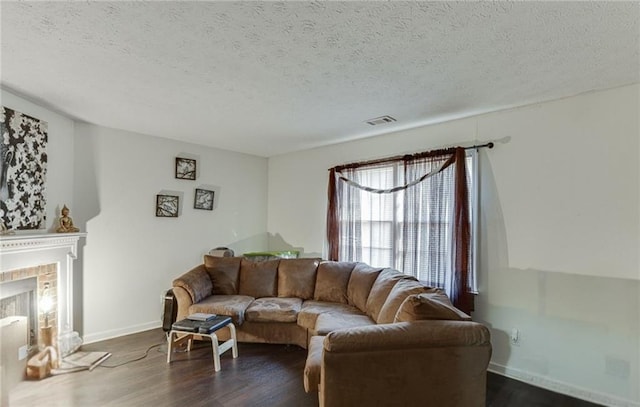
396	364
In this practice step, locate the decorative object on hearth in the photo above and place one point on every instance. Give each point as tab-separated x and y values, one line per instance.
46	305
41	364
167	206
47	332
23	170
185	168
65	222
203	199
68	343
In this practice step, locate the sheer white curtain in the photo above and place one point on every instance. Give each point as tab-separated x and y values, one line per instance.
409	229
410	214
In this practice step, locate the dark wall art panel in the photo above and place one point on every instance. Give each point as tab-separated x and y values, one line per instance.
23	160
167	206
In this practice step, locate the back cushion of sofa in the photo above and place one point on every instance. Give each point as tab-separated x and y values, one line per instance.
332	280
396	297
297	278
381	288
429	306
362	278
259	279
224	272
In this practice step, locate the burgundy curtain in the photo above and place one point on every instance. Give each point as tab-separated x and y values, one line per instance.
459	292
332	218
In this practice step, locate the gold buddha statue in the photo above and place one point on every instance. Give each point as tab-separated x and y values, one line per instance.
66	223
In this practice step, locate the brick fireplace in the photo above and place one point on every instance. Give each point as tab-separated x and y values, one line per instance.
47	260
19	294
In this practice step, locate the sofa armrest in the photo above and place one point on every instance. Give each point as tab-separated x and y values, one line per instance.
190	288
439	363
416	334
184	301
196	282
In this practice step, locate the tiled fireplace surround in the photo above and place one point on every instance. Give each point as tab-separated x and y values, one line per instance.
49	258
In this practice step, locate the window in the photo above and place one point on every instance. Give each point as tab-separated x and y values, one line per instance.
410	229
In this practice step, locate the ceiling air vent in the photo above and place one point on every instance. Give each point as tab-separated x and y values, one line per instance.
381	120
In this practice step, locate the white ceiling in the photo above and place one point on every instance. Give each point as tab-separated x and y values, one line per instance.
267	78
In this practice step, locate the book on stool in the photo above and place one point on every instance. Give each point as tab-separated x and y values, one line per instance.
201	316
202	327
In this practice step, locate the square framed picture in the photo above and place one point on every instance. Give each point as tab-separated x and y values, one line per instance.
167	206
185	168
203	199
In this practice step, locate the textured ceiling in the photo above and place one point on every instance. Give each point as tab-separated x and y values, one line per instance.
272	77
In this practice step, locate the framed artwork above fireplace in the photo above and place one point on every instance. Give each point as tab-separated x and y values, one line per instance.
23	170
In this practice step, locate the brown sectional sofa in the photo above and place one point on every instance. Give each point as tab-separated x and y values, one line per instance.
374	336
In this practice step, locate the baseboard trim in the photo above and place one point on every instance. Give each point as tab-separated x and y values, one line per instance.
114	333
561	387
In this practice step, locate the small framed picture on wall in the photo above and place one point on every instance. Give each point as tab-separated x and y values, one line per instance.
167	206
203	199
185	168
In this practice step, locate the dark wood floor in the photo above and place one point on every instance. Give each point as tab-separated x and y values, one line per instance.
263	375
503	392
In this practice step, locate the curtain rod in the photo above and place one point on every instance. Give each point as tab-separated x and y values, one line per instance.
400	157
487	145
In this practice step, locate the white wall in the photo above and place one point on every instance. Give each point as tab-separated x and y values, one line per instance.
560	233
559	244
59	184
131	256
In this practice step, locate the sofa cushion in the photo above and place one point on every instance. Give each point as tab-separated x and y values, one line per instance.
310	311
259	279
396	297
313	365
224	272
332	280
381	288
230	305
297	277
272	309
431	305
196	282
362	278
329	322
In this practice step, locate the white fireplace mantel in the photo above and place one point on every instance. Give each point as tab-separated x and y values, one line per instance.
32	249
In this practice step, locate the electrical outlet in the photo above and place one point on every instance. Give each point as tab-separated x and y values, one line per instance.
515	337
